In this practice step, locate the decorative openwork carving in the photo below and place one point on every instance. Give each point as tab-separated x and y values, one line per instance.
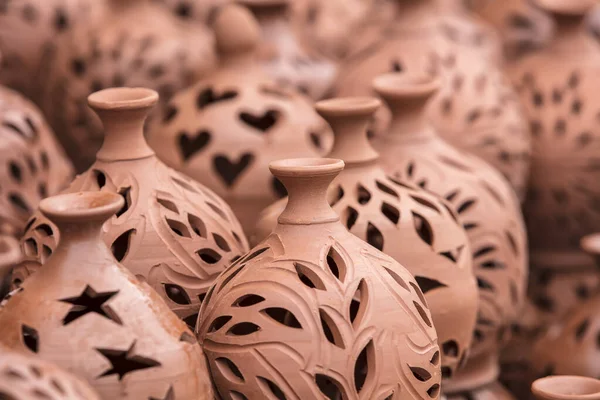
225	130
413	226
91	316
171	232
313	311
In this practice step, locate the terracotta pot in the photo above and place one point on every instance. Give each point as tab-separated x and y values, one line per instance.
486	206
131	43
90	315
560	102
30	32
476	108
409	224
172	232
286	56
566	388
33	165
314	311
225	130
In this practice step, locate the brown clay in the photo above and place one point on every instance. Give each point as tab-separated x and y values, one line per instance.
172	232
30	33
409	224
32	164
558	87
566	388
314	311
131	43
91	316
225	130
486	206
290	62
476	108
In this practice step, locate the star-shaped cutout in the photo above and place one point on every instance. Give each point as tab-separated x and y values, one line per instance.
124	361
90	301
170	395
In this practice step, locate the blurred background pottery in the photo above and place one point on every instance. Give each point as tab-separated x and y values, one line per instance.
566	388
314	311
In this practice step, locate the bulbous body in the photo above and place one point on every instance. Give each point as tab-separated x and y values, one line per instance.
316	311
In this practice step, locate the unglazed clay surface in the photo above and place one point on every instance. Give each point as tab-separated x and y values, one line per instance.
171	232
476	108
566	388
225	130
130	43
415	227
92	317
32	164
483	200
314	311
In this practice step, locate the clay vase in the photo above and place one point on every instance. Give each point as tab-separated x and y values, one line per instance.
566	388
521	25
486	206
171	232
30	33
132	43
225	130
314	311
562	109
409	224
287	58
91	316
476	108
33	165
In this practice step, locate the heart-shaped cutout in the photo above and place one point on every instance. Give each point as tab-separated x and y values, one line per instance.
190	146
263	122
207	97
230	171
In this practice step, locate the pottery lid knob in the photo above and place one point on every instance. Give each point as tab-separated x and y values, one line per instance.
236	30
566	7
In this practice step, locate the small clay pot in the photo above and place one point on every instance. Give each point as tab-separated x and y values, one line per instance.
33	165
566	388
486	206
171	232
131	43
416	228
225	130
30	34
92	317
314	311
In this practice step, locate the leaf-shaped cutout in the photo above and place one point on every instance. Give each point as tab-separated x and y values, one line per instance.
197	225
359	304
329	387
30	247
450	348
374	237
419	293
126	194
191	321
221	242
255	254
209	256
235	395
434	391
422	313
339	194
230	277
44	230
350	215
484	284
270	389
248	300
397	278
283	316
178	228
435	359
229	370
392	213
363	196
100	178
386	189
493	264
120	247
218	323
421	374
177	294
425	202
243	329
582	329
423	228
336	264
428	284
482	251
30	338
308	277
330	330
364	368
465	206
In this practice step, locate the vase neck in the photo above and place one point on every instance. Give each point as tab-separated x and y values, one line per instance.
270	11
307	181
571	33
238	37
349	119
123	112
416	14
